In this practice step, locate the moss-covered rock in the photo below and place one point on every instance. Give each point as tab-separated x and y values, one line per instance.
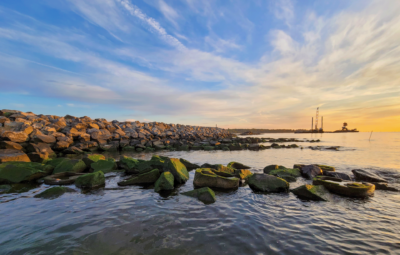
237	165
205	195
63	178
138	166
146	178
177	169
270	168
311	192
127	163
164	182
91	158
288	175
70	165
4	188
91	180
243	174
16	172
208	148
54	162
267	183
206	177
189	166
105	166
347	189
326	169
54	192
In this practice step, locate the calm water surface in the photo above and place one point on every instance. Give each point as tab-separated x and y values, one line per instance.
136	220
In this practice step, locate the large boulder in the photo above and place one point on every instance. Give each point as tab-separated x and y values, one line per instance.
92	158
206	177
205	195
10	145
164	182
54	192
16	172
40	152
15	136
177	169
267	183
40	138
310	171
270	168
70	165
106	166
362	175
146	178
92	180
128	164
237	165
288	175
8	155
347	189
311	192
189	166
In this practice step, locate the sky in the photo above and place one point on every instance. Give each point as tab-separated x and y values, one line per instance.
236	64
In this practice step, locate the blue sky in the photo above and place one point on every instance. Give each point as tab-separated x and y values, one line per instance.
262	64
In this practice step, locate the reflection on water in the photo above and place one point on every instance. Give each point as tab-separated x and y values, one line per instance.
135	220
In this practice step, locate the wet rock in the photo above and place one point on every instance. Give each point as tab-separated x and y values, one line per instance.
311	192
164	182
342	176
105	166
10	145
310	171
243	173
146	178
92	158
16	172
326	169
5	188
70	165
177	169
7	155
288	175
189	166
347	189
237	165
267	183
128	164
54	192
205	195
270	168
384	186
64	178
362	175
206	177
92	180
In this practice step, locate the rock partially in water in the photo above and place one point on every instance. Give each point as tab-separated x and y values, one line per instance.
9	155
91	158
64	178
310	171
326	169
311	192
128	164
343	176
4	188
267	183
243	173
205	195
347	189
189	166
270	168
237	165
362	175
177	169
16	172
54	192
384	186
92	180
146	178
106	166
206	177
288	175
164	182
70	165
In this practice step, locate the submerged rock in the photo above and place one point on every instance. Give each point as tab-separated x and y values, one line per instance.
54	192
9	155
348	189
362	175
16	172
164	182
205	195
288	175
270	168
105	166
146	178
92	180
267	183
237	165
311	192
189	166
177	169
206	177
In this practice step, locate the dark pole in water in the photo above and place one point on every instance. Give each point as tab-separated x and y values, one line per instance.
312	123
371	135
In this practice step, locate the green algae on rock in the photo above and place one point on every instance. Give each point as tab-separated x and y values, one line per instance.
16	172
53	192
70	165
205	195
64	178
237	165
146	178
164	182
267	183
91	180
287	174
347	189
270	168
206	177
311	192
91	158
189	166
106	166
177	169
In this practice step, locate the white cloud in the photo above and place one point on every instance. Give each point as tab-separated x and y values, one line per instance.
284	10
